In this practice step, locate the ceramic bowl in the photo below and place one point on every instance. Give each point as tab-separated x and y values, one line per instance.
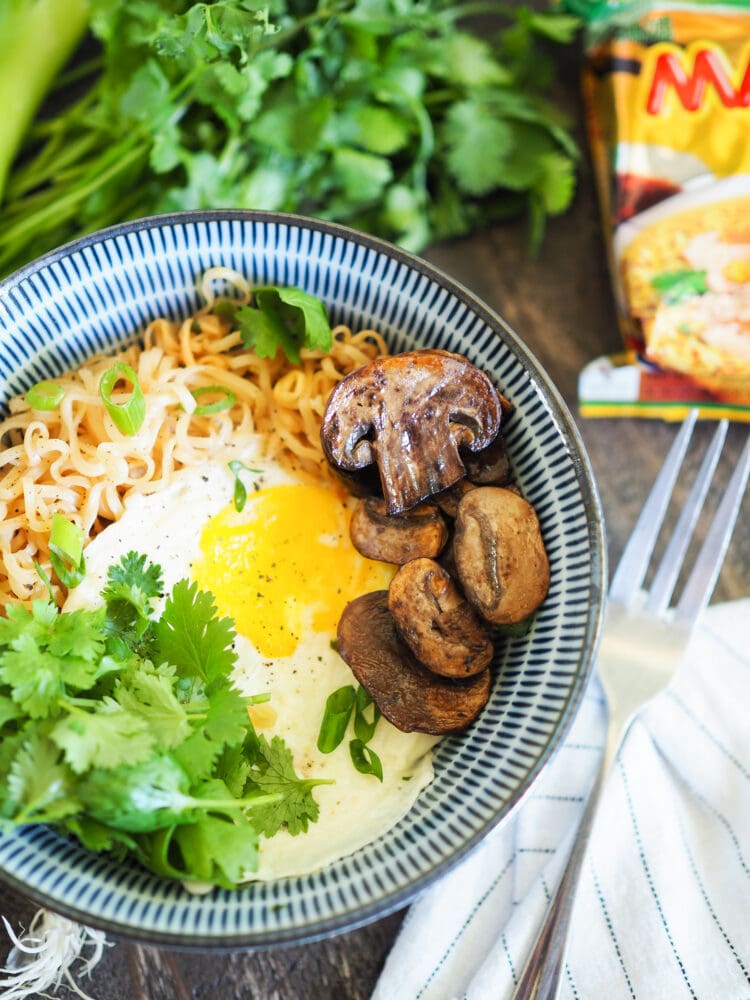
97	293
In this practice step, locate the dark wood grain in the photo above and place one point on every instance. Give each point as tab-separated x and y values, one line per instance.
561	306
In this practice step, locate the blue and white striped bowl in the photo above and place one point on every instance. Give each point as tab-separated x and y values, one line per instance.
97	293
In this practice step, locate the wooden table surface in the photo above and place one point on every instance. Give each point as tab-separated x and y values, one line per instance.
561	306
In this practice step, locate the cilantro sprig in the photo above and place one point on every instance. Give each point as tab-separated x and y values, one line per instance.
397	117
123	728
284	317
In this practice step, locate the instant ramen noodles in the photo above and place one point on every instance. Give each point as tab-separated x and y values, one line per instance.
667	98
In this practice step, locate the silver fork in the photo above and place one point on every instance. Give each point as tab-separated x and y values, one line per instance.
642	643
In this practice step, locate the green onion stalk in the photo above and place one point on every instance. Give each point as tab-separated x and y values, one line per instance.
39	36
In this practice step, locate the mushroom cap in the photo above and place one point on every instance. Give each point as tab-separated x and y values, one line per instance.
437	622
397	538
499	554
411	413
412	698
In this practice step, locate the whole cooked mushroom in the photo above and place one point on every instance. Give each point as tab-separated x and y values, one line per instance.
499	554
397	538
437	622
490	466
412	698
411	414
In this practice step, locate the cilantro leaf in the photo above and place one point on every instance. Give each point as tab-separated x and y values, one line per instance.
9	747
34	676
219	850
225	723
227	720
20	620
555	182
189	635
138	798
40	787
674	286
264	333
47	653
9	710
135	581
285	318
235	763
198	754
150	693
131	589
39	679
477	142
98	836
465	59
274	772
362	177
376	128
78	636
108	736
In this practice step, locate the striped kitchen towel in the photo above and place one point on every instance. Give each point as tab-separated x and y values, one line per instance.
663	906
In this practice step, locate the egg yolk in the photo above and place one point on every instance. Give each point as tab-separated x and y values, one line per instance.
285	565
738	271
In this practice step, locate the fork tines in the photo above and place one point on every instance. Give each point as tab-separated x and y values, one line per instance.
628	579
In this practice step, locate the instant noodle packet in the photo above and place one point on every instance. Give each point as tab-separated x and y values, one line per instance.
667	100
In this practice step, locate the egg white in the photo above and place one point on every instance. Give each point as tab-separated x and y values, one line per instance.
356	808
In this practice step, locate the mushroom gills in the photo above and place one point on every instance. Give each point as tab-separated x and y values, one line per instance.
411	413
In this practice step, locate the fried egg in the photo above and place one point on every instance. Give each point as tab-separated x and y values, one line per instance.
283	568
726	263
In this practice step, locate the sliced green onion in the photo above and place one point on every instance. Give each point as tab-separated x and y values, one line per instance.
67	537
336	717
66	551
516	630
365	759
225	309
259	699
45	395
240	492
363	729
128	416
226	402
45	580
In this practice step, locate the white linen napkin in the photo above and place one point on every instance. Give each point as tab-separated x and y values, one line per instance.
663	905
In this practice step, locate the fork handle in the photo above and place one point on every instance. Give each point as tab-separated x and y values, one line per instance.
541	974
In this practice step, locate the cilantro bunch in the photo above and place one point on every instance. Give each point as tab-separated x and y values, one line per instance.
124	729
393	116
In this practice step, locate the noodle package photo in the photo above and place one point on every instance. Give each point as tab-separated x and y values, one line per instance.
666	91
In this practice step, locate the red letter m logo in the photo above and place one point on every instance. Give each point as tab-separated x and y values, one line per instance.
708	70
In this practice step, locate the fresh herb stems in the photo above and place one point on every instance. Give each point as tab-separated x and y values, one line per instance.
393	117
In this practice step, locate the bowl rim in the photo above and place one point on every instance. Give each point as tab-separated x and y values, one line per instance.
402	896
